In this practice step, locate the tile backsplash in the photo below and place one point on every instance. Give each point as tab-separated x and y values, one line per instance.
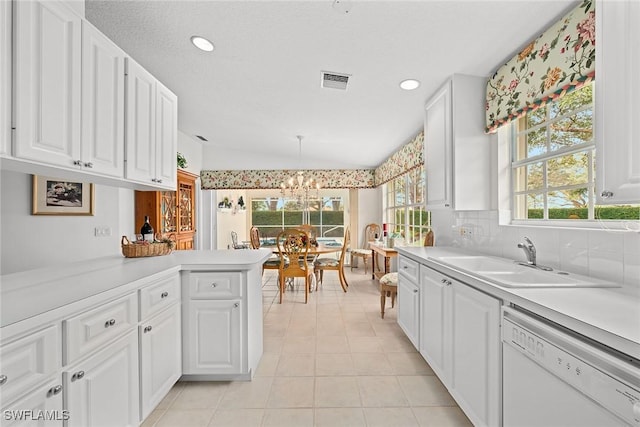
607	254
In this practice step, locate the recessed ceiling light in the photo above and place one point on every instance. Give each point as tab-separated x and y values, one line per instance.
409	84
202	43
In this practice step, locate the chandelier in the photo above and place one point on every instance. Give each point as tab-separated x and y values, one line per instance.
300	188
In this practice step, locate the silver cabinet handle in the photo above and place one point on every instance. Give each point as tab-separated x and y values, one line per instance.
77	376
147	329
405	267
443	280
449	283
77	163
415	291
54	390
3	379
109	322
153	180
214	284
88	165
164	294
236	305
159	181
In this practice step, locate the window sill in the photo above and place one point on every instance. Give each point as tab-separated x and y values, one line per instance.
623	226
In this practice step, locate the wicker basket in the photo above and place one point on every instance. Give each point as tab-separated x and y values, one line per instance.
137	250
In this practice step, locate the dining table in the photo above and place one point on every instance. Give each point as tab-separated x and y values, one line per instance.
386	252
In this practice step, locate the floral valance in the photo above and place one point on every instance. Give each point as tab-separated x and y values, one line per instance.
560	60
271	179
402	161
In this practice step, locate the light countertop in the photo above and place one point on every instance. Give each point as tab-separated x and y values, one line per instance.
610	316
29	293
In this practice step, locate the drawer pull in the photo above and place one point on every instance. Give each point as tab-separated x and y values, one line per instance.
77	162
449	283
3	379
164	294
444	280
147	329
415	291
54	390
214	285
109	322
77	376
88	165
236	305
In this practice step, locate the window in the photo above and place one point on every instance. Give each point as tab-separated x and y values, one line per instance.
404	207
553	164
273	214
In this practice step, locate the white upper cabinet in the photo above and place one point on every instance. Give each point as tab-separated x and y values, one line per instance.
102	103
47	82
457	151
617	91
5	77
151	136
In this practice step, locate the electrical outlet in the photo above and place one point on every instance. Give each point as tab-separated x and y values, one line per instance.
103	231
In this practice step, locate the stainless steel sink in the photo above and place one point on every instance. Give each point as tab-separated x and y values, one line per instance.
510	274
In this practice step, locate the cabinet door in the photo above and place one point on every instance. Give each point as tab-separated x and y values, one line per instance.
475	372
5	77
433	323
141	124
103	389
47	82
437	146
409	309
160	357
616	102
166	136
102	103
214	336
46	400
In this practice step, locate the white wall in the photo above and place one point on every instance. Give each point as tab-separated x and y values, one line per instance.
32	241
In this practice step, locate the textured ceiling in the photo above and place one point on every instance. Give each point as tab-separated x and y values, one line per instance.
260	87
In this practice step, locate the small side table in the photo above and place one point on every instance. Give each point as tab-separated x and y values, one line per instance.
387	253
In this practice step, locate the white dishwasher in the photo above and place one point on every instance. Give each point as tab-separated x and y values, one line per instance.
553	377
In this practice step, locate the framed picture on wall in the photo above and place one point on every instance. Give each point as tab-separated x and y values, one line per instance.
53	196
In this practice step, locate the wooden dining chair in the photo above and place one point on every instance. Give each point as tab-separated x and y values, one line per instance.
370	232
322	264
389	282
273	263
293	246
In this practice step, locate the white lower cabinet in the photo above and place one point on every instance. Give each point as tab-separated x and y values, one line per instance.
160	357
214	337
460	338
102	390
42	407
409	299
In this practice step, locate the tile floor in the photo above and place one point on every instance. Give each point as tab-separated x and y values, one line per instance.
332	362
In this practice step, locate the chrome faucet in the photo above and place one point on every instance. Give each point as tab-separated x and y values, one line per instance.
529	250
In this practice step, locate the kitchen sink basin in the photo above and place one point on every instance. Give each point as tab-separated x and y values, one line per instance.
511	274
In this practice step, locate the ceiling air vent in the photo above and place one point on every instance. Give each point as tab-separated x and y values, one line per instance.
202	138
334	80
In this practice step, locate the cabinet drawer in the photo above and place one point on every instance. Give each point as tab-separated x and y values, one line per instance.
215	285
159	295
408	268
28	361
92	329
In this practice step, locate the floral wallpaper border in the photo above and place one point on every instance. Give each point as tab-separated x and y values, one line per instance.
560	60
409	157
405	159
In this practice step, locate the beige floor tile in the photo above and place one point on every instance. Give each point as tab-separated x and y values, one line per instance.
153	417
381	391
296	365
398	344
247	394
185	418
450	416
365	345
275	330
339	417
332	344
200	395
301	331
371	364
272	345
294	345
288	418
334	392
359	329
166	402
409	364
334	364
390	417
237	418
268	365
335	327
291	392
425	390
